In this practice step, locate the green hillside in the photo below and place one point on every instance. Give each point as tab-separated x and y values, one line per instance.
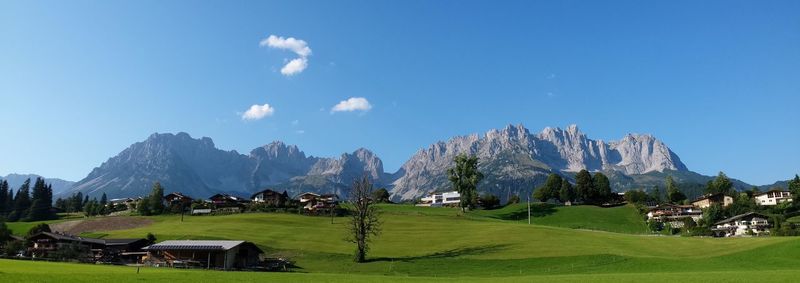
418	243
622	219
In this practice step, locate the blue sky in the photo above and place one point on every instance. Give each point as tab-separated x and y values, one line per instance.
717	81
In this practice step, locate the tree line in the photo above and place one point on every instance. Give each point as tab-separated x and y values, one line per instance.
588	189
28	204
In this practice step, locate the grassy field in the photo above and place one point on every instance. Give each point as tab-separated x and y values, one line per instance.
622	219
25	271
418	243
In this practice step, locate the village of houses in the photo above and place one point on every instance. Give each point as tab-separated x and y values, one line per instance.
243	255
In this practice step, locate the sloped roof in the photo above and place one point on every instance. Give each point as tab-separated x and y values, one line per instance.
64	237
772	191
740	216
266	192
204	245
707	196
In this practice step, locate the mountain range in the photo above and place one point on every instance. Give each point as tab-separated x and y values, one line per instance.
513	160
16	180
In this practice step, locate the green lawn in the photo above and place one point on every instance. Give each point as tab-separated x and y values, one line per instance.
417	243
622	219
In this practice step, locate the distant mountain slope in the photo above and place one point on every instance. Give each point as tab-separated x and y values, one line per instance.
514	160
197	168
16	180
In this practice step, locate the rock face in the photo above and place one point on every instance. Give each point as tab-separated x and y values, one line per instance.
514	160
197	168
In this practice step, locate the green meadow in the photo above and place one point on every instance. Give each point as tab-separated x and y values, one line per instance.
569	244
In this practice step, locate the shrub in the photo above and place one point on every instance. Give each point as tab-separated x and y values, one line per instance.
655	226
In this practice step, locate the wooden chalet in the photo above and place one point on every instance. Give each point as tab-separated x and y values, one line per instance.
177	199
226	200
270	197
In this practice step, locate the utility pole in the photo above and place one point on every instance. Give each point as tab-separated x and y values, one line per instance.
529	210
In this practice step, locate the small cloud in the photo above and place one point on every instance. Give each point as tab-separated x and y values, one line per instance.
352	104
257	112
295	122
298	46
300	132
295	66
551	76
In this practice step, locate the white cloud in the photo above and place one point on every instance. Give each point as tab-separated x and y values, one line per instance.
298	46
257	112
295	122
352	104
300	132
294	66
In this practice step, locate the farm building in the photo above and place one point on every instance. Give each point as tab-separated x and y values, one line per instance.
44	244
441	199
743	224
204	254
710	199
270	197
773	197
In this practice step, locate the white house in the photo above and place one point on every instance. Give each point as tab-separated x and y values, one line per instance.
749	223
441	199
773	197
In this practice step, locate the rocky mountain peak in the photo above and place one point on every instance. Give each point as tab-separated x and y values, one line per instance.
277	150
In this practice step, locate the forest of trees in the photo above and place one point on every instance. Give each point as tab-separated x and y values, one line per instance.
28	204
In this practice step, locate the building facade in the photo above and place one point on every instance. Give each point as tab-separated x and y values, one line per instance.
441	199
773	197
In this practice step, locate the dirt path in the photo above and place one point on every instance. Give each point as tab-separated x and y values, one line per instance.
76	227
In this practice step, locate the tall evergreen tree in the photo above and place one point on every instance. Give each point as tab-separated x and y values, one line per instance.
10	201
4	197
77	202
583	185
42	201
674	195
602	188
720	184
794	185
465	178
655	194
157	199
104	199
22	202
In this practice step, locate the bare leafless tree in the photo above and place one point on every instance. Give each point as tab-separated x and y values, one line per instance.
364	217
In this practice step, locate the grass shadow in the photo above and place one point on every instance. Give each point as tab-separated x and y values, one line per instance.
478	250
537	210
